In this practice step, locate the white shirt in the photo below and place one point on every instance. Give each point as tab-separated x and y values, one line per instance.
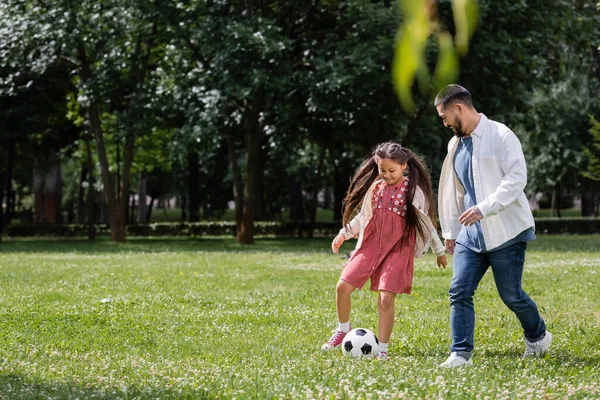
499	175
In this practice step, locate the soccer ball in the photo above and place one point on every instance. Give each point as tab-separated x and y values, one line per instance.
360	342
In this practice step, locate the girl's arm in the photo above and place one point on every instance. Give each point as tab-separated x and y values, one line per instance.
436	244
354	227
420	203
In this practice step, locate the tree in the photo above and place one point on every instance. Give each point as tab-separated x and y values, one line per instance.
592	172
111	48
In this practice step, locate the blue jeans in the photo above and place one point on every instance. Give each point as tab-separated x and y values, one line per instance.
507	266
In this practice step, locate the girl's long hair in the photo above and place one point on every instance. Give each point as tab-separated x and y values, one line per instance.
368	171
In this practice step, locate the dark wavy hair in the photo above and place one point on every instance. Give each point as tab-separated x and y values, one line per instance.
367	173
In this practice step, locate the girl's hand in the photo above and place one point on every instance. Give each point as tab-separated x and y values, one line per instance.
442	261
337	242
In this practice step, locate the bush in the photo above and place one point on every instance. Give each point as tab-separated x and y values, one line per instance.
67	230
579	226
573	226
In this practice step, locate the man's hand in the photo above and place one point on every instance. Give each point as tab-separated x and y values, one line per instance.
337	242
450	245
470	216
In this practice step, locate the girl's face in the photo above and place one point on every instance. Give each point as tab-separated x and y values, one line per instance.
390	171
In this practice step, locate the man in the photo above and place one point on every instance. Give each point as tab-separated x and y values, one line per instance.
486	221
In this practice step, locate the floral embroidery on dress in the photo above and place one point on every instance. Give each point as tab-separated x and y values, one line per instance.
397	199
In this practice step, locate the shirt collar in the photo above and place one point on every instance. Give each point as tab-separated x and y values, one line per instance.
480	126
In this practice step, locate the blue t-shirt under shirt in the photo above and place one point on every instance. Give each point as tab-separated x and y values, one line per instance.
472	236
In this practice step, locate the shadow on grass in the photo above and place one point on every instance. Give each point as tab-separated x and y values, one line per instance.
15	386
167	244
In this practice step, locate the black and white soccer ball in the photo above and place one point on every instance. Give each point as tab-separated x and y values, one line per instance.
360	342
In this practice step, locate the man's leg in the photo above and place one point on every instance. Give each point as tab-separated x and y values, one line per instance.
507	265
468	268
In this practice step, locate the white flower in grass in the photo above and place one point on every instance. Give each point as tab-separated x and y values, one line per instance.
104	301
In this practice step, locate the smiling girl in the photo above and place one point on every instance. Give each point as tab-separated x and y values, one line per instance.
389	207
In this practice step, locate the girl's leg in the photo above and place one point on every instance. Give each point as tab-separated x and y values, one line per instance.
385	306
343	290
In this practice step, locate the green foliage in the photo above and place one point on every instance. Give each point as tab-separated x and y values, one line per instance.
208	318
316	78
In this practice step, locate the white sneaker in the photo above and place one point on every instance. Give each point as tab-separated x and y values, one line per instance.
456	361
539	348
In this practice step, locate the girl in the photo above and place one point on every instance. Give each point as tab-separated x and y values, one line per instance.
396	221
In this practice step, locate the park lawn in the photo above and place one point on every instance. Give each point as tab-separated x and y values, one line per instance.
207	318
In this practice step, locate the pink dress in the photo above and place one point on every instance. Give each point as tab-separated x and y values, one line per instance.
383	256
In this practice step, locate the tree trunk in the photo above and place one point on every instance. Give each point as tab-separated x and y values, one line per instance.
91	217
193	187
238	186
81	195
116	197
259	204
587	198
117	227
183	207
124	196
150	206
254	138
57	190
142	192
555	204
9	176
132	209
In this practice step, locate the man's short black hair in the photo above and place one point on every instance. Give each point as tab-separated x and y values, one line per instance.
453	94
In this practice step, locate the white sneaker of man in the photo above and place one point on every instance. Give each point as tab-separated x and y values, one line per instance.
456	360
539	348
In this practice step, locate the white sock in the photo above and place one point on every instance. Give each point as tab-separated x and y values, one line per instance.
383	347
344	326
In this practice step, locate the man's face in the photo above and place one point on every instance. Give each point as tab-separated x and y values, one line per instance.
451	118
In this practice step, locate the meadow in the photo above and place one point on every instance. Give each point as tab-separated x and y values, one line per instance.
207	318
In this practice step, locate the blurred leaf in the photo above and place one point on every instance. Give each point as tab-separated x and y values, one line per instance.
446	70
408	57
404	68
466	15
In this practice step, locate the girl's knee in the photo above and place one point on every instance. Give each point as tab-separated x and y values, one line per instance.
344	288
386	300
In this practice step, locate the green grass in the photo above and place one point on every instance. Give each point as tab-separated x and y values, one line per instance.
207	318
564	213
